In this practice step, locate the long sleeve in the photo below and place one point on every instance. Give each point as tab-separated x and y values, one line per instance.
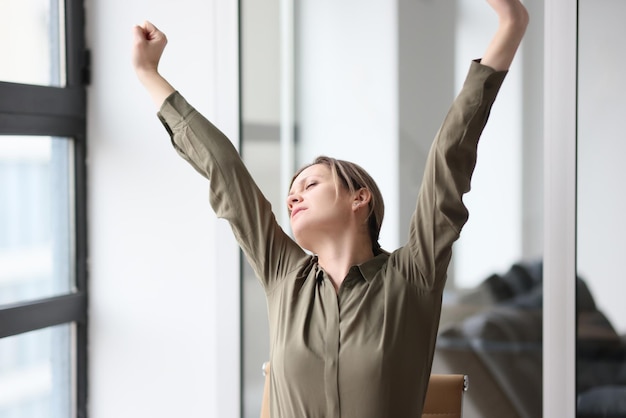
440	212
233	194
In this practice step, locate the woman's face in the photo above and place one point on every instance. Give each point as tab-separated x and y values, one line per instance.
316	205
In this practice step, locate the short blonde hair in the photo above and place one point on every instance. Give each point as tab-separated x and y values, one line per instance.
353	177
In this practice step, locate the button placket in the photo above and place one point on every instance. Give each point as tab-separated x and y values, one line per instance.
331	306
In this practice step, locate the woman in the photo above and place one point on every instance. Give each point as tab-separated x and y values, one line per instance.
352	327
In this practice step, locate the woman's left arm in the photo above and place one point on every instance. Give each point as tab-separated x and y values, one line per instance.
440	213
513	20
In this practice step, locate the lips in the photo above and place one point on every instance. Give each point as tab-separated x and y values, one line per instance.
295	211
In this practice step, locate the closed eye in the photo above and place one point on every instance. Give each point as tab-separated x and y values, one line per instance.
308	186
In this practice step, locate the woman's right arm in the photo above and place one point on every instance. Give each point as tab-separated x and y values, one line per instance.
148	46
234	195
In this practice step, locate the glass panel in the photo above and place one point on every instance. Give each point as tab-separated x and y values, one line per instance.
491	321
36	218
260	148
491	324
36	370
376	77
601	313
32	42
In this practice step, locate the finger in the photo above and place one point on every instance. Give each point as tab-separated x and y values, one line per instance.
152	32
139	33
149	26
147	31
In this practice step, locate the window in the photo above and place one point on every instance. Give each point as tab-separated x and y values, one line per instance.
43	253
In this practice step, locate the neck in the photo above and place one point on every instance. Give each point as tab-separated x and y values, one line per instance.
337	257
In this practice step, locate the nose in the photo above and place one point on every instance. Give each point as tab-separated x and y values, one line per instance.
292	200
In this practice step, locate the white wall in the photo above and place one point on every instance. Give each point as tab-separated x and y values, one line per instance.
155	247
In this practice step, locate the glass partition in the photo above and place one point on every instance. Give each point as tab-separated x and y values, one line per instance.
261	151
373	82
601	315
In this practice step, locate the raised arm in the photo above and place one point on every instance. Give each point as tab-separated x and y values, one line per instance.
513	19
148	46
440	213
233	194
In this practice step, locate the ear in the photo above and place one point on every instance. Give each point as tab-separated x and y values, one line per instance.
361	199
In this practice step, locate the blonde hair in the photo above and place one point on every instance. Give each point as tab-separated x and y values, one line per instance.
353	177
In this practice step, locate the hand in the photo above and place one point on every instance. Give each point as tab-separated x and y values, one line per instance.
148	46
149	43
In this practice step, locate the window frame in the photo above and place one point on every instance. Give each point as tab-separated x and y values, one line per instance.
58	111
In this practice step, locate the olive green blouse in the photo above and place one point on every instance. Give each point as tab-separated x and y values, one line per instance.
364	351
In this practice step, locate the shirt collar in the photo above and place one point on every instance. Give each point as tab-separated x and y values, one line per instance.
373	266
367	269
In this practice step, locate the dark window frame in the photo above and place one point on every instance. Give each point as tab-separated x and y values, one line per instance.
57	111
